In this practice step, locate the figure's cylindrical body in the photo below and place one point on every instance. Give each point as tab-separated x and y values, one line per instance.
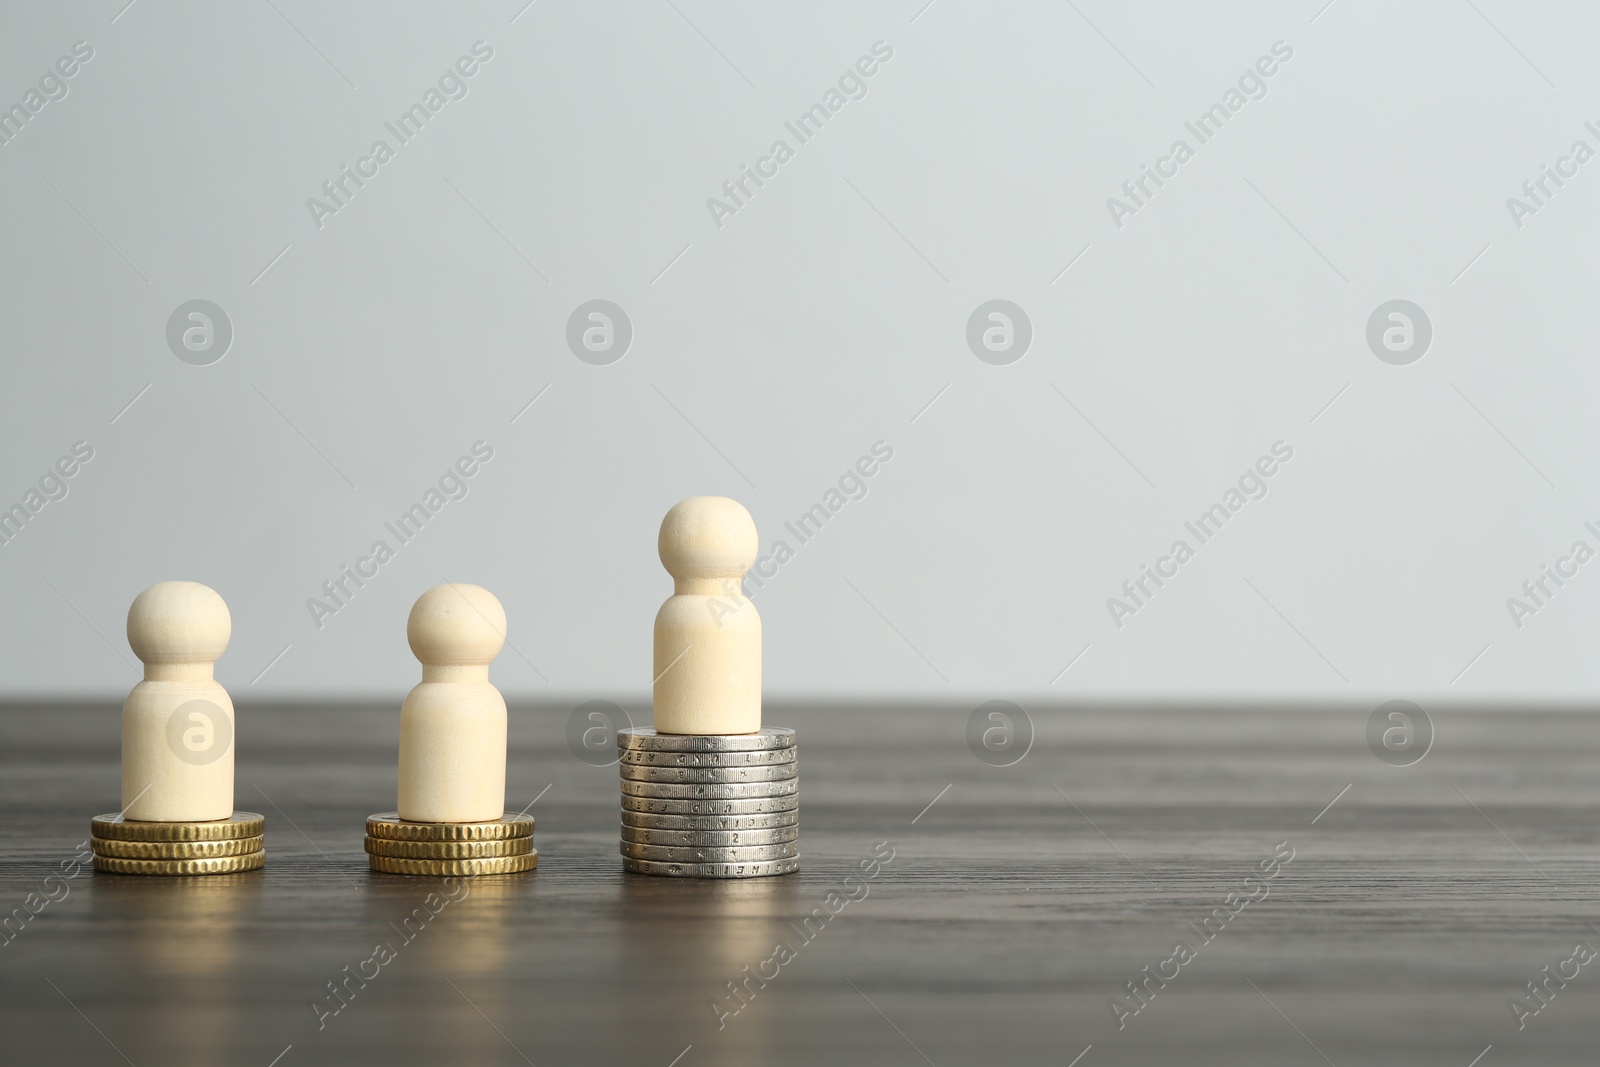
177	752
707	665
453	753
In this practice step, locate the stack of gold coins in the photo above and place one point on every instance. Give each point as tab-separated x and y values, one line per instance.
503	846
224	846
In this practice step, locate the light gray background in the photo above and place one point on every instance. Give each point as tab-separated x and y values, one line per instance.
770	353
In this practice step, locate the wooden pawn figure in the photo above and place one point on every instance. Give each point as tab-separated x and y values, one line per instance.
453	724
708	633
177	724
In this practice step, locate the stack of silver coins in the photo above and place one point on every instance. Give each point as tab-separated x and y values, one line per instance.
710	805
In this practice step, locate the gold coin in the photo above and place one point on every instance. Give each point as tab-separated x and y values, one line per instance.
391	827
485	865
175	850
212	865
449	850
116	828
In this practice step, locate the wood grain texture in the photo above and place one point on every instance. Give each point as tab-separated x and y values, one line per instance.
1013	909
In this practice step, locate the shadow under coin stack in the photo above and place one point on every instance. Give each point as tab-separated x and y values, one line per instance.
503	846
224	846
710	805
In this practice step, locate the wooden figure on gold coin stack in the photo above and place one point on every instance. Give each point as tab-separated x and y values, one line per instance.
450	818
178	747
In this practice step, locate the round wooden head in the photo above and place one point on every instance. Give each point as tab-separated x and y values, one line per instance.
179	622
457	626
707	538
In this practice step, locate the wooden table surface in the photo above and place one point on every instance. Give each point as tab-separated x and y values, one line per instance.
1014	908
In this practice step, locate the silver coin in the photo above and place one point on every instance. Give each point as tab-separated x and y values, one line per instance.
712	870
702	808
711	838
764	757
709	775
772	820
645	737
725	791
711	853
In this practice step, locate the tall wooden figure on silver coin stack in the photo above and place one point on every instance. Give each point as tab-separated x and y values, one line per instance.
709	792
177	813
451	818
